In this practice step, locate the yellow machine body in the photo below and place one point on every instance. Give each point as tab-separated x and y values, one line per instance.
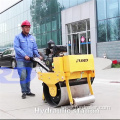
67	68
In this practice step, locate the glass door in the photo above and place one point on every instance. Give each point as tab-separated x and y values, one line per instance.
85	43
79	43
78	35
89	42
75	44
69	44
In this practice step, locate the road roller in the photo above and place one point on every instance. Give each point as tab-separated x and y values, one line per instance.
67	79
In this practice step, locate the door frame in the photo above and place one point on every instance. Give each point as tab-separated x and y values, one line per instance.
79	37
79	34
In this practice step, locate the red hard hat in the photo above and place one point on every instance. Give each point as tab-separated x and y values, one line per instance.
25	23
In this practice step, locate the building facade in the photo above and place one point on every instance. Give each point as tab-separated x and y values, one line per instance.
85	26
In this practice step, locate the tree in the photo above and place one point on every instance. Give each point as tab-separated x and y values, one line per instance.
41	12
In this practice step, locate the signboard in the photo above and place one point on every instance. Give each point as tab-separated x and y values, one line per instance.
82	39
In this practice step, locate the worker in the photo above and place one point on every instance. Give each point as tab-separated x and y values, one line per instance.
25	47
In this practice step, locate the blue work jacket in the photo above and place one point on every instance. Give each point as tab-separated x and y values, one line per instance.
25	46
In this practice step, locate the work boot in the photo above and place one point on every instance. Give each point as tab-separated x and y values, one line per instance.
30	94
23	96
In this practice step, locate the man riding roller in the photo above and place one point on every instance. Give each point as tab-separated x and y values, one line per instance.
25	47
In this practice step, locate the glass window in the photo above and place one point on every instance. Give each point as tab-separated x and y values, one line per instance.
81	1
43	26
29	17
4	53
119	7
87	0
82	26
17	7
34	30
73	2
88	24
75	44
68	28
101	9
38	29
59	37
88	37
60	4
48	36
66	3
112	8
21	7
74	27
83	46
113	29
28	4
43	40
48	24
69	44
25	4
59	21
89	41
54	23
48	10
102	31
38	40
53	6
7	52
54	37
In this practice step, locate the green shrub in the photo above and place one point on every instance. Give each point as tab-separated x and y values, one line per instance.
115	65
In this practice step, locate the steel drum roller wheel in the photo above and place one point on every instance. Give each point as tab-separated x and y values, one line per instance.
62	95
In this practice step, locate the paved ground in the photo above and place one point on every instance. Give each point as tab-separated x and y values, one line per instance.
106	89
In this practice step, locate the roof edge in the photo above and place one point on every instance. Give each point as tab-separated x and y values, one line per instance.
11	6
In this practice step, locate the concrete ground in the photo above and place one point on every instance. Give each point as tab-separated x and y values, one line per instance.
106	88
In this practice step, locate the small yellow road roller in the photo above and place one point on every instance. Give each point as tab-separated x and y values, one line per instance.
68	78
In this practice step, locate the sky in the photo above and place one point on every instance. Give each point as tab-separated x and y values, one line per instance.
4	4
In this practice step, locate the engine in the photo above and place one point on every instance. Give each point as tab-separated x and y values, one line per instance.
53	51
